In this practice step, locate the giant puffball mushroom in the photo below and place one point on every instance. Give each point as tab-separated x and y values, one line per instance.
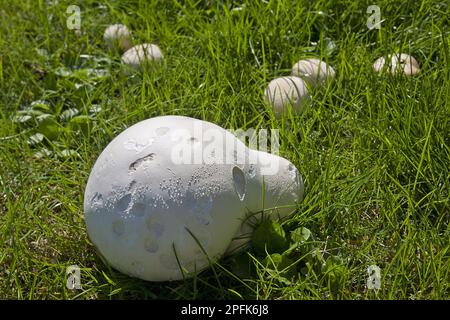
169	194
398	63
117	36
142	54
313	71
287	92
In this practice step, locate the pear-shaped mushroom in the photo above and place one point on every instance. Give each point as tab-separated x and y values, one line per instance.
169	194
142	54
397	64
287	92
117	36
313	71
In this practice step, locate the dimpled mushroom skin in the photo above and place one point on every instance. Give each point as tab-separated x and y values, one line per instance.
142	54
286	92
398	64
149	215
313	71
118	36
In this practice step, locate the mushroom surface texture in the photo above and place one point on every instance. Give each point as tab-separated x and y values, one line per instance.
118	36
142	54
171	193
313	71
287	92
398	64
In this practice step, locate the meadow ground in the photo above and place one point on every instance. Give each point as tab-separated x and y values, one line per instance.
374	150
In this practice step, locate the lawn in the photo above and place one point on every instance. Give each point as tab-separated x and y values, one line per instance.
374	150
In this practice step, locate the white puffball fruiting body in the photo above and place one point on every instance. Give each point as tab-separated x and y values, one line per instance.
118	36
143	203
287	92
397	64
142	54
313	71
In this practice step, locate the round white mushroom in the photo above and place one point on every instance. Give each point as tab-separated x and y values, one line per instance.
117	36
287	92
142	54
397	64
313	71
165	196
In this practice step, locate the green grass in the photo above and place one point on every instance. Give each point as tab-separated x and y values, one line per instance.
374	150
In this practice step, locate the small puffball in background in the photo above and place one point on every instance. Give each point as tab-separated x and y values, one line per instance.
118	36
313	71
141	54
287	91
402	63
